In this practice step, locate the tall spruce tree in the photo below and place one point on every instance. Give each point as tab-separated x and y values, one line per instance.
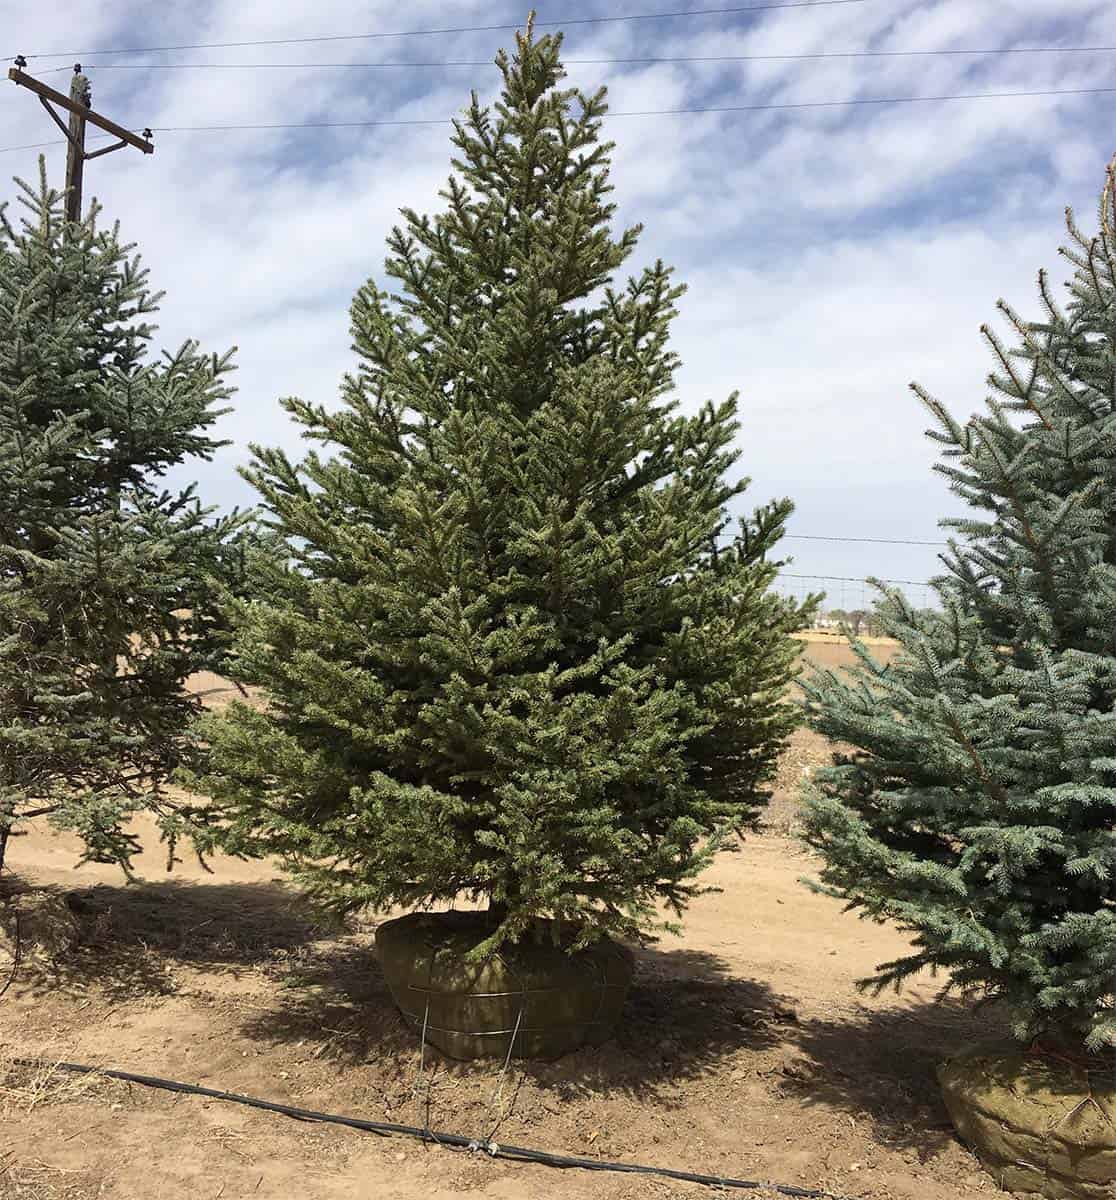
505	659
978	810
108	581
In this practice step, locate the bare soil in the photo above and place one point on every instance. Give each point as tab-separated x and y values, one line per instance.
746	1049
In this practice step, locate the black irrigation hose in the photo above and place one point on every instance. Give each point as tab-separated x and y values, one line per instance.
496	1150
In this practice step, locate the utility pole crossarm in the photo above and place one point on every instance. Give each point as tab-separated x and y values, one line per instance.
79	104
46	93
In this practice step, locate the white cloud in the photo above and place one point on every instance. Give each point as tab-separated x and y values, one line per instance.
832	254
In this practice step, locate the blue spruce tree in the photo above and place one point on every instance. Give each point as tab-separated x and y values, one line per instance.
977	810
109	579
505	660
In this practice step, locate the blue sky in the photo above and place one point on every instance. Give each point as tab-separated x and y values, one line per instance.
832	254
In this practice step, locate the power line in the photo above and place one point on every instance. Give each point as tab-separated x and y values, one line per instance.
357	37
45	145
729	539
634	61
811	537
924	583
735	108
651	112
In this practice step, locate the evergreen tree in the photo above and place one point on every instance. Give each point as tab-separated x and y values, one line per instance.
108	582
978	809
505	659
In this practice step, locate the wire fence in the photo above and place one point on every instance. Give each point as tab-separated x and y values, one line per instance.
844	595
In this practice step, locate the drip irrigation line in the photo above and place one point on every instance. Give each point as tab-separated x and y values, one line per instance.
649	60
736	10
456	1140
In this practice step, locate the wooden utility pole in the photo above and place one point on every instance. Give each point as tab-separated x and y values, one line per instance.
79	105
82	96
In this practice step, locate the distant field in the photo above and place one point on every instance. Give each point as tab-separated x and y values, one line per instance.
825	649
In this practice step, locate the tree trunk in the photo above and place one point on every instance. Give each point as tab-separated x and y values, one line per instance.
5	831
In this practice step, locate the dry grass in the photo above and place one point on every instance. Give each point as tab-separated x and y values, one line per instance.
803	755
34	1180
39	922
231	1142
805	752
130	941
24	1088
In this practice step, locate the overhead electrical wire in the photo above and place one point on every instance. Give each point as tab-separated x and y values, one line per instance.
813	537
670	112
736	10
728	539
651	112
659	112
650	60
45	145
923	583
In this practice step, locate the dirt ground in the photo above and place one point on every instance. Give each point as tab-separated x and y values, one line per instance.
746	1049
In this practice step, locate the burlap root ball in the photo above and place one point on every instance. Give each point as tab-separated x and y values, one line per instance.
1041	1126
534	997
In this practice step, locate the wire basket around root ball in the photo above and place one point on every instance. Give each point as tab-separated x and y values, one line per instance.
533	999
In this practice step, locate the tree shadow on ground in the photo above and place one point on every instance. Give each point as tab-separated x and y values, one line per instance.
879	1066
685	1015
127	939
688	1019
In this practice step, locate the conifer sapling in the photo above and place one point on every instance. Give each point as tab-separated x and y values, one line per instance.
504	660
108	581
978	809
